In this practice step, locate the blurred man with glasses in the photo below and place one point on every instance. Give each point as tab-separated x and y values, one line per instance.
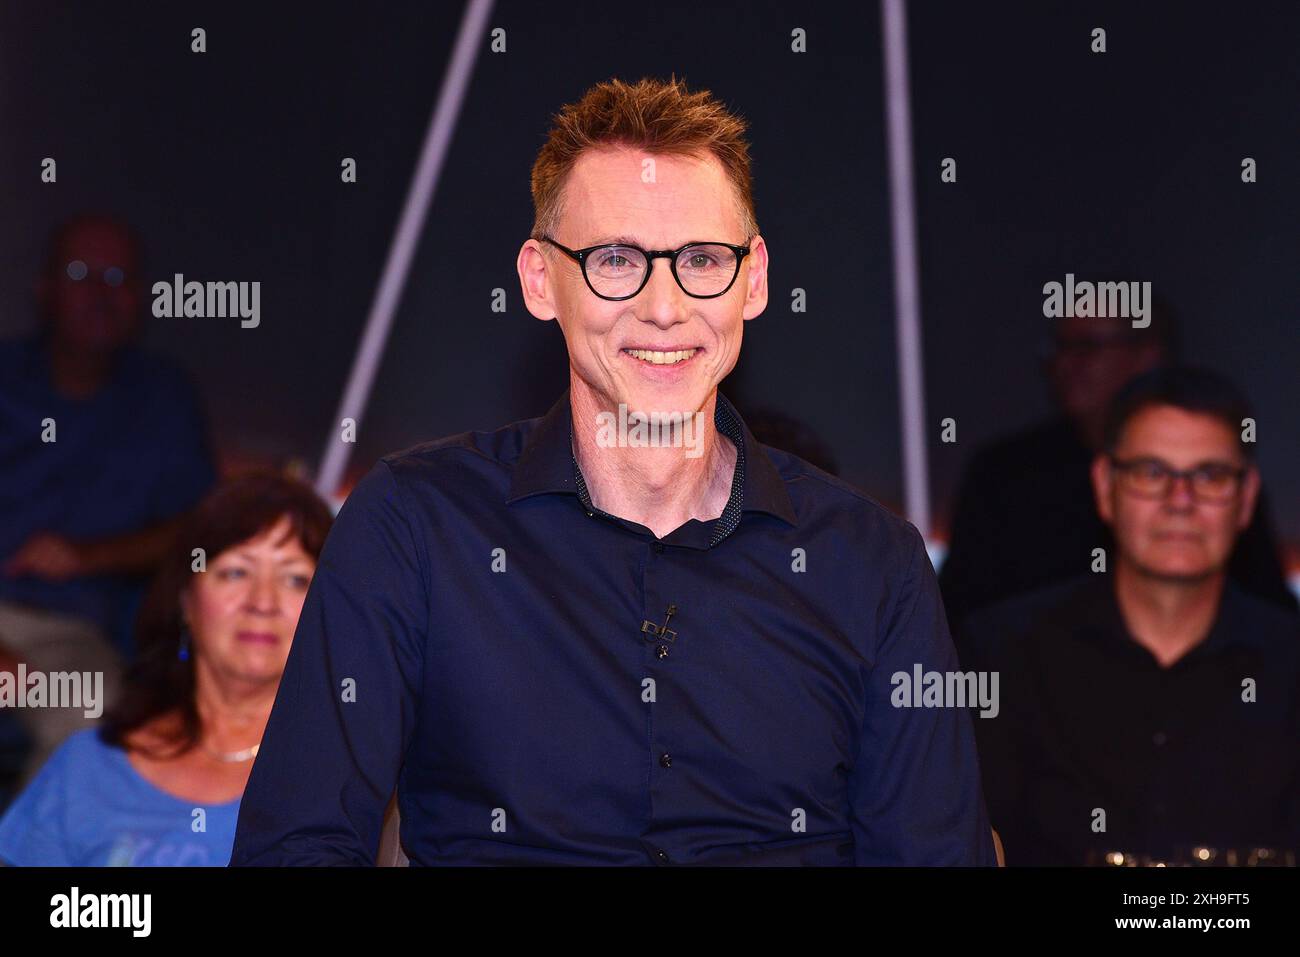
1013	533
103	447
1150	711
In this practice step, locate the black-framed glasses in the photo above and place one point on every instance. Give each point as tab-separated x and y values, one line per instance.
1151	478
616	271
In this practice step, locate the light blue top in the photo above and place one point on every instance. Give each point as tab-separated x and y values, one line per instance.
88	807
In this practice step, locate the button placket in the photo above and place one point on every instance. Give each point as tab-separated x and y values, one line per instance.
659	629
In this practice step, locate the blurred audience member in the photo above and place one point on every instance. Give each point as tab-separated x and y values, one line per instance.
102	446
1024	516
1155	708
180	744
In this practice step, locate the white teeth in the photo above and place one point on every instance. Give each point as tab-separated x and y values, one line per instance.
661	358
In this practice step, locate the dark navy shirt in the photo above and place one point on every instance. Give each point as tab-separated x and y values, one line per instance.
481	638
133	454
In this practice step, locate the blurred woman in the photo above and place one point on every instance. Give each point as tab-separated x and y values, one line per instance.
159	783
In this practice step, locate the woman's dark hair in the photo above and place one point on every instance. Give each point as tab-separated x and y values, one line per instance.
159	682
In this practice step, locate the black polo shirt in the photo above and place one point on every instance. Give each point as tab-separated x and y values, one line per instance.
1090	722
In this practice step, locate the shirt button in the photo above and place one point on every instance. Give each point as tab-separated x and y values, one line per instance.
666	759
658	548
662	857
1159	738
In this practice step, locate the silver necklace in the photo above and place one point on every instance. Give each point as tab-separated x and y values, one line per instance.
234	757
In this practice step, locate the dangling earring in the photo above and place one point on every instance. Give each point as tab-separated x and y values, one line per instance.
183	653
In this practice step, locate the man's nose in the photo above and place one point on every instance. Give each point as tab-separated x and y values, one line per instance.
1180	495
666	303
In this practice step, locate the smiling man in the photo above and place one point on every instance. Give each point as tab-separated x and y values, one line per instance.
1155	709
564	645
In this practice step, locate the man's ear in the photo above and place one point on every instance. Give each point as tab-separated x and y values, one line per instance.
756	279
1249	496
1103	482
535	280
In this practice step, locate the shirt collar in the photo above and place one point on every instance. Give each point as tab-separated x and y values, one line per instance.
547	465
1098	614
